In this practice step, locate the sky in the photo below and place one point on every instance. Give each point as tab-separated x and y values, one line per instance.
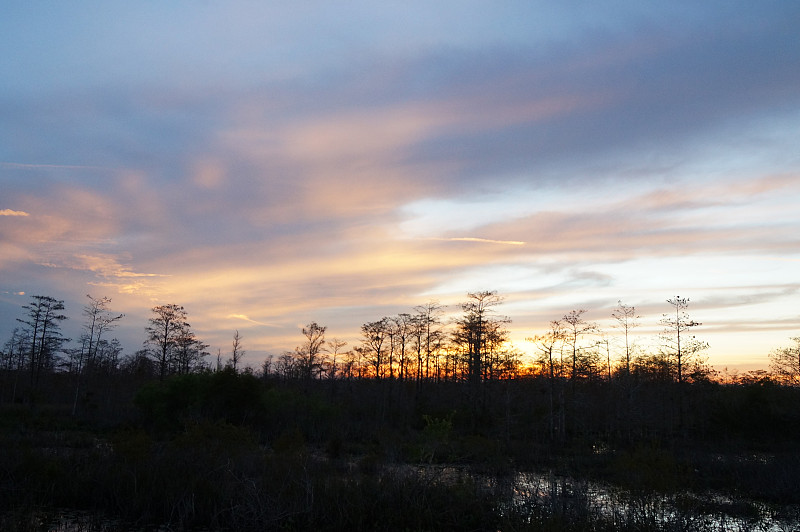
270	164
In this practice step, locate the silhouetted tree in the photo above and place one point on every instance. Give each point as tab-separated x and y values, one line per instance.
335	346
428	336
679	346
168	324
43	325
373	345
99	319
236	352
547	344
785	363
475	329
13	359
309	356
286	366
189	352
499	360
575	326
139	364
107	356
400	330
626	318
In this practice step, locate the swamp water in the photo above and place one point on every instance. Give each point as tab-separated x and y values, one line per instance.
529	497
548	495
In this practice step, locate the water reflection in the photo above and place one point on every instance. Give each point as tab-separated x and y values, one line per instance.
549	495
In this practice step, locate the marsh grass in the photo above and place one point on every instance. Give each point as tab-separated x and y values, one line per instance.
231	452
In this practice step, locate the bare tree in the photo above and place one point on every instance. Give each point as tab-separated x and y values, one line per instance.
626	318
499	361
309	355
402	327
189	353
286	366
474	330
139	364
373	345
237	353
428	336
266	366
604	344
168	324
678	344
547	344
334	346
575	326
43	322
785	363
13	361
99	319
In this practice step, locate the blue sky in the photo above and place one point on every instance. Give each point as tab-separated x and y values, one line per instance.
266	165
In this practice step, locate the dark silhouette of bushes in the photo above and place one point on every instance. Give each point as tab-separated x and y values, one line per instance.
231	451
171	404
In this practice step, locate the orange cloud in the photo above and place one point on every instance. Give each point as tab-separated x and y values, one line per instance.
9	212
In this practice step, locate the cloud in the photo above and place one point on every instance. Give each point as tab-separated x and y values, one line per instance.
9	212
482	241
107	266
244	317
109	273
560	165
39	166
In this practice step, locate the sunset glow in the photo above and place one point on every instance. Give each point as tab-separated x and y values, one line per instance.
269	165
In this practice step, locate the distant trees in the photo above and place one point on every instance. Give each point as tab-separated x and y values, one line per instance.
480	334
99	319
626	318
575	327
550	346
404	346
420	345
417	345
12	359
237	353
190	353
335	348
785	363
309	356
94	351
400	331
681	349
373	346
427	337
171	343
43	328
165	327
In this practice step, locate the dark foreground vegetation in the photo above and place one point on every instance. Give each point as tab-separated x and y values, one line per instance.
224	450
426	424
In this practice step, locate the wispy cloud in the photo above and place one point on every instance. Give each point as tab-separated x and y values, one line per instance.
244	317
108	266
35	166
481	240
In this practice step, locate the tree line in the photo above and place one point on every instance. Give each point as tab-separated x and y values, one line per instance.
331	436
420	346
